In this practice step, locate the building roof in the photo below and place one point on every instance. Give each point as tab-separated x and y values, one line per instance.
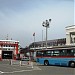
8	41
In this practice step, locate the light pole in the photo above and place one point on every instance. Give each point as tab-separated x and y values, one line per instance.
42	40
46	24
34	38
34	46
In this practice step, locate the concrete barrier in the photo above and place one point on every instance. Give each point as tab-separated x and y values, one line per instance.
15	62
27	63
22	63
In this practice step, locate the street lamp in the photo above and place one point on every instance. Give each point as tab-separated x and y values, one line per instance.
46	24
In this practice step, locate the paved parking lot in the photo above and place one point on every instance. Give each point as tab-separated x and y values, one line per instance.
7	69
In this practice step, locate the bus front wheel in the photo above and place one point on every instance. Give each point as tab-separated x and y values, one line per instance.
72	64
46	63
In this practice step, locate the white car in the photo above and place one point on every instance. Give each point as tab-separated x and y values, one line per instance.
25	59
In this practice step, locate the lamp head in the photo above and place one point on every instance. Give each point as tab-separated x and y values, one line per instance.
43	24
50	20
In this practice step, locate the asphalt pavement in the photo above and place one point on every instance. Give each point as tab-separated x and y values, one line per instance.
7	69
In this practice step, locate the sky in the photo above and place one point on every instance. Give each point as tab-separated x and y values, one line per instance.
19	19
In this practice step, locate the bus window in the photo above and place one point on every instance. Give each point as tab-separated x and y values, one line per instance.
67	52
47	53
70	53
39	53
62	52
51	53
73	52
56	53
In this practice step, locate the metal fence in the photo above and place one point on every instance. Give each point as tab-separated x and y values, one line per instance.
21	63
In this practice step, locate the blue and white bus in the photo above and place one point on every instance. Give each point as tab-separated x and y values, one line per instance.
64	56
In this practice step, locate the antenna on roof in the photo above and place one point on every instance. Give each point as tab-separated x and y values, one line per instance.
11	38
7	37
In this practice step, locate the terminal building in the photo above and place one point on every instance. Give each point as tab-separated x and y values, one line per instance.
42	44
9	49
68	40
70	35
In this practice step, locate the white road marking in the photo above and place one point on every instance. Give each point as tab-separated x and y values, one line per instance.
1	72
35	68
14	71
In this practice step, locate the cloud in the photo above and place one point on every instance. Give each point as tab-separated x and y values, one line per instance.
21	18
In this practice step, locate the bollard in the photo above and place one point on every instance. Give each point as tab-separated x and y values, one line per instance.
27	63
11	62
32	64
20	63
